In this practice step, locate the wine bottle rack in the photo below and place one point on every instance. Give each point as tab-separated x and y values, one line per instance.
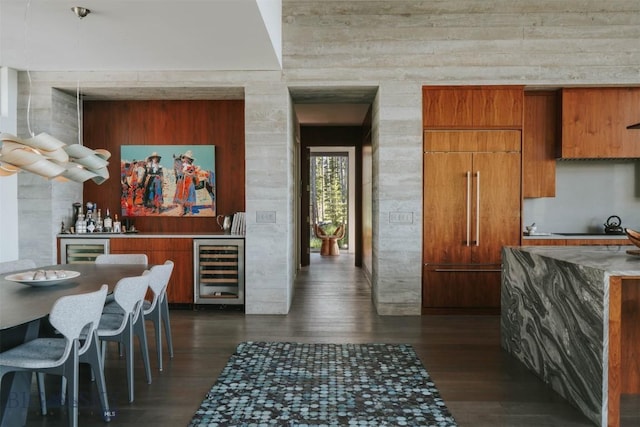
219	271
82	251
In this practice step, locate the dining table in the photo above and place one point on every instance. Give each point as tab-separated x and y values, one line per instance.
23	306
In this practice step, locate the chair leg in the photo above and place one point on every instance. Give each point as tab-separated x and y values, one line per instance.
157	327
128	344
97	369
141	332
71	373
63	390
42	393
164	307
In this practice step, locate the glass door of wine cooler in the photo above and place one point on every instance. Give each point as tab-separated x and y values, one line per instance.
82	250
218	271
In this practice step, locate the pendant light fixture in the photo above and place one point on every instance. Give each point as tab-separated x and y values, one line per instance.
42	155
47	156
84	163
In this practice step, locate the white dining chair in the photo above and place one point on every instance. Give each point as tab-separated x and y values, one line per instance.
157	310
141	259
76	317
122	259
120	327
16	265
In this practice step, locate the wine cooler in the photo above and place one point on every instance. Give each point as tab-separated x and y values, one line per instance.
218	271
78	251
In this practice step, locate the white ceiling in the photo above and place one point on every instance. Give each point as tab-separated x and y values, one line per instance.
161	35
121	35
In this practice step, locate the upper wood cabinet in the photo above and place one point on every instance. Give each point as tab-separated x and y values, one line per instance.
540	138
460	107
595	120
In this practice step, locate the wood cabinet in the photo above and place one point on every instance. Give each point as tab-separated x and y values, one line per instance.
595	120
158	250
540	139
472	205
472	106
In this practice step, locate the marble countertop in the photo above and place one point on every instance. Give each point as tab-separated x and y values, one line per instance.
613	259
575	236
138	234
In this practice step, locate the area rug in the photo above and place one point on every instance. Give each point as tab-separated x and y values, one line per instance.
293	384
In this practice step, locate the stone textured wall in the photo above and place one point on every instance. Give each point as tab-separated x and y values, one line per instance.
399	46
42	204
462	41
396	46
269	179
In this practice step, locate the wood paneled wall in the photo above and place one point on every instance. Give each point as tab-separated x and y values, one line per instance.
111	124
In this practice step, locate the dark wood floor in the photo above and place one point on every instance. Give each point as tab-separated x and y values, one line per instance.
481	385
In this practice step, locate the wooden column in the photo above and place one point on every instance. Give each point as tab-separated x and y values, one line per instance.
624	343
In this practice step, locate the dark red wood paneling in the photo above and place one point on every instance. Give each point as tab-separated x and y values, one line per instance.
110	124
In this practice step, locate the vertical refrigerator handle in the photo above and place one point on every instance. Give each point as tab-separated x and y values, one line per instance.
477	241
468	240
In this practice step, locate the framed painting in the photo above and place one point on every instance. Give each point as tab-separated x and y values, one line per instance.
168	180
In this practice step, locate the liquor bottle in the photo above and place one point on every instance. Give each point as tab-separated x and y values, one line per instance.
91	223
81	225
116	225
107	224
99	223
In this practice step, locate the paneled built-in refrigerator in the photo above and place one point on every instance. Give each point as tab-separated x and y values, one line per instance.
472	200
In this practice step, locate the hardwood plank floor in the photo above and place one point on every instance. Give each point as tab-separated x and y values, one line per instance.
480	383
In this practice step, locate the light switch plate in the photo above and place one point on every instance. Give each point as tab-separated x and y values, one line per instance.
266	217
401	217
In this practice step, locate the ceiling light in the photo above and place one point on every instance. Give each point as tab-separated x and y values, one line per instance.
80	11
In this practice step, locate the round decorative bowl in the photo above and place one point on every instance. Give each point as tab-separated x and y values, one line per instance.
43	278
634	236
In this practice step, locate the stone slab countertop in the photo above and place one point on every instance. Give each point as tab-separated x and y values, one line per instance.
612	259
567	236
138	234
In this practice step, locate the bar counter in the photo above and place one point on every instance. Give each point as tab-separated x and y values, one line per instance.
572	316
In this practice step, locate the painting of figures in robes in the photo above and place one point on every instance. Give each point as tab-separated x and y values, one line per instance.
168	180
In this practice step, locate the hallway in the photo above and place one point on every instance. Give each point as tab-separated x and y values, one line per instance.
481	385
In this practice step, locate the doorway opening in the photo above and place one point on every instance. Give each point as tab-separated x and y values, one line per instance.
330	120
330	196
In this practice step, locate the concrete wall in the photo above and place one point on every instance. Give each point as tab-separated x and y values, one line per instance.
269	180
397	46
8	184
402	45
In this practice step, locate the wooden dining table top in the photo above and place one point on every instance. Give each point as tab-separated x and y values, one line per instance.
21	304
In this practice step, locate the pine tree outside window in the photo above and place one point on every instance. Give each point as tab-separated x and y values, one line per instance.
329	194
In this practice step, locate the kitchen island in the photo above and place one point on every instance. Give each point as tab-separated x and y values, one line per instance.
572	315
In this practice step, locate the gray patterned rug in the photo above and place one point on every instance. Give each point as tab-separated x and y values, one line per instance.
292	384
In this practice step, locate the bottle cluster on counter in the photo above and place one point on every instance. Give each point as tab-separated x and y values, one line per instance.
92	221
